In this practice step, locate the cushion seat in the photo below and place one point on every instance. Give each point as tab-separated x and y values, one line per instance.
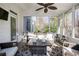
10	51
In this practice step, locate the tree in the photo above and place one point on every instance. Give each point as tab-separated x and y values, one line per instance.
37	29
53	25
46	29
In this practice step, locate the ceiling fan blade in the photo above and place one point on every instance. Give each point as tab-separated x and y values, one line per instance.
45	10
52	7
39	9
42	4
48	4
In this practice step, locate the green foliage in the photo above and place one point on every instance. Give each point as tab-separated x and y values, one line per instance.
53	26
46	29
37	29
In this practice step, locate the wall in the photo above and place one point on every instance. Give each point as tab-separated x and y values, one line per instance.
5	25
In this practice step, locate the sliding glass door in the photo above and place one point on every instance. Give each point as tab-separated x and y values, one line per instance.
13	25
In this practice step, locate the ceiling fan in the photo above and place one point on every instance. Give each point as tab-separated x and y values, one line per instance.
46	6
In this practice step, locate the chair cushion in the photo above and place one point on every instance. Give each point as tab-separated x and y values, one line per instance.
10	51
2	53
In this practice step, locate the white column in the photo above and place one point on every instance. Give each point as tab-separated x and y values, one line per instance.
63	24
58	26
73	21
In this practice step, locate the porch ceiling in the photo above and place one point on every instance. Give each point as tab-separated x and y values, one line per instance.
29	9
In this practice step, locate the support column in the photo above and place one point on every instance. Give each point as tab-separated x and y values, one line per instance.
63	24
58	26
73	21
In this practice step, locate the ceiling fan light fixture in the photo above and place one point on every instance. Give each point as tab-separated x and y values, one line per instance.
46	6
45	10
